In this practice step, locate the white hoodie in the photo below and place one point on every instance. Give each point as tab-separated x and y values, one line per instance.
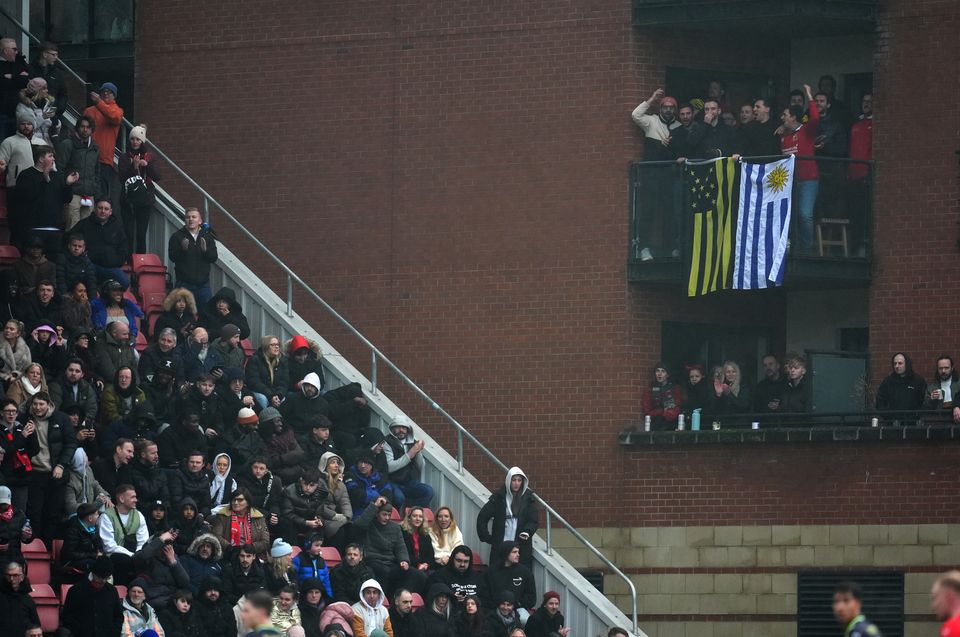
373	617
510	528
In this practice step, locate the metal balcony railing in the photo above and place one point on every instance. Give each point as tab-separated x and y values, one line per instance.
660	219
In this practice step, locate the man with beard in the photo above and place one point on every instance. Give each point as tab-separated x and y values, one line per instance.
903	389
16	151
149	479
769	391
179	440
943	394
191	480
459	575
113	470
215	614
80	153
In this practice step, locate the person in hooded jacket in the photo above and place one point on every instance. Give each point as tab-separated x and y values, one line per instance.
365	484
268	372
163	392
234	393
33	267
547	621
202	560
471	621
313	600
82	487
301	406
191	480
280	445
337	614
178	617
510	515
178	441
139	424
436	618
222	482
503	618
179	314
369	613
508	574
405	464
214	613
155	514
903	389
48	349
222	310
162	570
189	523
460	576
309	564
301	505
337	510
304	358
242	439
12	533
92	607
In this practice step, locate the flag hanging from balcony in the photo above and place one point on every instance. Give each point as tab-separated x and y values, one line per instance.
712	196
763	224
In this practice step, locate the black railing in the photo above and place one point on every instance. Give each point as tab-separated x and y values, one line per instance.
776	420
837	231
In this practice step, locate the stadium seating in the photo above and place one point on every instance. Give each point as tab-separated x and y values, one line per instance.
331	556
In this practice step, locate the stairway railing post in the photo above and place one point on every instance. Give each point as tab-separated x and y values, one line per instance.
459	451
549	535
373	373
289	295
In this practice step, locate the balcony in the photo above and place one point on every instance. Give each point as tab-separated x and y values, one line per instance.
812	17
661	227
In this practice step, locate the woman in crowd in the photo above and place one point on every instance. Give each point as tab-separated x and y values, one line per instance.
19	443
75	307
731	395
222	483
240	524
337	510
444	535
223	309
48	348
470	621
279	566
179	314
416	535
137	195
696	393
122	397
14	352
268	372
35	101
113	306
547	621
138	615
29	384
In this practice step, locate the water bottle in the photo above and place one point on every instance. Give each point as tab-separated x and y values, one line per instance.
695	420
646	423
27	529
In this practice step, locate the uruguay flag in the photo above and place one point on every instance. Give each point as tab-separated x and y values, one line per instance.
763	226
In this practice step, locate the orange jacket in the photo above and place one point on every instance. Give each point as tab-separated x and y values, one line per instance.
108	118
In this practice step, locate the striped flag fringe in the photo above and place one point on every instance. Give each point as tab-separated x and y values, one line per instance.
712	196
763	225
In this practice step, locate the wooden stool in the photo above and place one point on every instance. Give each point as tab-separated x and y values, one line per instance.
829	228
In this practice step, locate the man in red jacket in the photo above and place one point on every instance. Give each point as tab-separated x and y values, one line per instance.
798	138
662	400
108	117
858	175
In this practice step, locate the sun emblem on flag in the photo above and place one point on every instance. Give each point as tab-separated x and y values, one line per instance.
777	179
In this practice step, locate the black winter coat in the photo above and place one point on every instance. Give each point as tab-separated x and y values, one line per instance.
211	409
11	442
216	618
151	484
214	321
495	510
266	492
296	507
901	393
345	580
106	242
192	264
163	578
236	583
71	269
258	376
425	556
74	154
91	612
61	392
517	579
10	535
79	545
177	624
195	486
61	441
36	202
176	442
428	623
10	88
541	624
17	610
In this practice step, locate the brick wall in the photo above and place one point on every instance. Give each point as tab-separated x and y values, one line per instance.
452	177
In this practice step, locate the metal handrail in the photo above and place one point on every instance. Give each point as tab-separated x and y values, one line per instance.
376	354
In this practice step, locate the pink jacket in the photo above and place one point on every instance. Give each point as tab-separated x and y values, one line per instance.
338	613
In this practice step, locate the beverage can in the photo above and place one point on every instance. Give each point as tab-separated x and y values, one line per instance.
646	423
875	422
755	424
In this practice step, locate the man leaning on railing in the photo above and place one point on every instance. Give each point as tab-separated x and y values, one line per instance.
944	393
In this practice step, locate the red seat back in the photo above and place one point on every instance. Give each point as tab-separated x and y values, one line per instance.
330	555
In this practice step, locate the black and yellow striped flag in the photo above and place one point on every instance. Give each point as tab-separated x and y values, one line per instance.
711	191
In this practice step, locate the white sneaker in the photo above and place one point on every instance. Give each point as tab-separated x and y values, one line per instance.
645	255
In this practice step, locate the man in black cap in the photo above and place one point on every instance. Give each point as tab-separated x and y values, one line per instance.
82	544
33	267
213	612
364	483
228	345
233	390
162	392
92	607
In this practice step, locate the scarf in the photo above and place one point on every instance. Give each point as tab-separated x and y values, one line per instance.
29	387
21	460
239	529
415	537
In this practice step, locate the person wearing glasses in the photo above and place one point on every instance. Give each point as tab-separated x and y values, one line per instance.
19	610
14	75
240	524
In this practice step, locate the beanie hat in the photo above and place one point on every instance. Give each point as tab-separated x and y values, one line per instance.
268	414
24	116
280	548
102	567
228	331
312	584
110	86
668	100
247	416
139	132
138	581
231	374
365	455
298	342
550	595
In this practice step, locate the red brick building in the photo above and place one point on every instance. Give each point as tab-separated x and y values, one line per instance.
454	178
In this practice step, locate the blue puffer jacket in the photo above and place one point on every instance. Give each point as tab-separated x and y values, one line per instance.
308	566
98	314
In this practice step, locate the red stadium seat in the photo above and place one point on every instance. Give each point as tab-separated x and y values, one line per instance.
152	322
49	617
478	564
152	301
35	547
147	263
142	342
386	602
417	601
42	591
395	515
248	347
295	551
57	548
121	591
8	255
63	593
330	555
152	283
38	569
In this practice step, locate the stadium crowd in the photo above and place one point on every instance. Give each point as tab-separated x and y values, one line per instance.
187	482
